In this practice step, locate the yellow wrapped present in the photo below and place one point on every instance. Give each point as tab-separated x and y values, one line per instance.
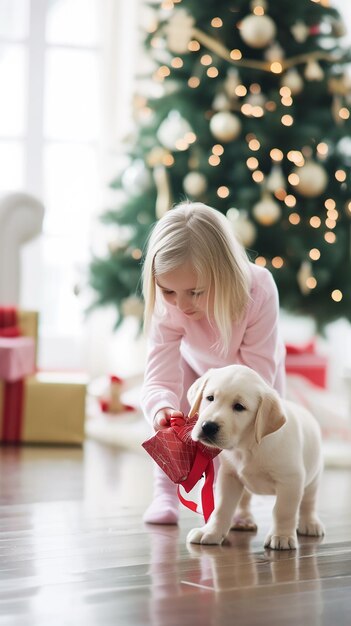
45	408
28	322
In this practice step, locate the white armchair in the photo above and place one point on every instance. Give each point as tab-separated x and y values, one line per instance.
21	219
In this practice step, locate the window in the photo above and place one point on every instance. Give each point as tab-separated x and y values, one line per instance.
50	133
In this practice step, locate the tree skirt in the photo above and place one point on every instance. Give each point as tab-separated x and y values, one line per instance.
333	414
128	430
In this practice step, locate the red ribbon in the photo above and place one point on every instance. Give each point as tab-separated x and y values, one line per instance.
202	466
207	499
12	413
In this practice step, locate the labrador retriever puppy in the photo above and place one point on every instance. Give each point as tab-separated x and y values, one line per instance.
269	446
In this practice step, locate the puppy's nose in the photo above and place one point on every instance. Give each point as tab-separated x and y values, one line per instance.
210	429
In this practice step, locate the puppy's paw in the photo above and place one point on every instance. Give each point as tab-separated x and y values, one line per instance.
281	542
243	522
204	536
311	527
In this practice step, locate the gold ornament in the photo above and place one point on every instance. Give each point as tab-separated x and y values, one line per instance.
195	184
132	306
179	31
313	179
257	31
336	106
276	179
274	53
340	86
156	156
173	131
300	32
225	126
164	198
303	275
243	228
258	3
313	71
293	80
136	179
267	211
221	103
338	28
231	82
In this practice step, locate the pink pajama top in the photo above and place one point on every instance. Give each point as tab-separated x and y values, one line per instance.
175	338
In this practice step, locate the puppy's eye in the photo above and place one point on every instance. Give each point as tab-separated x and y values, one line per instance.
210	398
238	407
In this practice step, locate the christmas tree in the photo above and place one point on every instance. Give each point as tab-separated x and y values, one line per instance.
250	114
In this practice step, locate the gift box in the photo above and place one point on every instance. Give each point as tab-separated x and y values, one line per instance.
305	361
28	322
45	408
184	461
17	357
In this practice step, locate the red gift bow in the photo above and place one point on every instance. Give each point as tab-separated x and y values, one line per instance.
105	403
196	457
308	348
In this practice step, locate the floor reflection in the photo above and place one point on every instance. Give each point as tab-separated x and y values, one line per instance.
247	575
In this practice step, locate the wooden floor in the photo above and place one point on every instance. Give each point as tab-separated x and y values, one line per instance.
75	551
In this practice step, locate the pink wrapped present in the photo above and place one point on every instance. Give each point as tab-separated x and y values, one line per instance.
184	461
17	358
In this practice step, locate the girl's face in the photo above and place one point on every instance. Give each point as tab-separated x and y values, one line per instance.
179	288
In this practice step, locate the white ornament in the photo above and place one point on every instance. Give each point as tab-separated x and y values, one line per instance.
274	53
276	179
173	128
304	273
243	228
258	3
195	184
179	31
221	103
338	28
267	211
300	31
132	306
257	31
231	82
314	71
335	108
256	100
137	178
225	126
293	80
313	179
341	86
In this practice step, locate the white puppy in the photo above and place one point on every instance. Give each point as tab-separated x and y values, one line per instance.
269	446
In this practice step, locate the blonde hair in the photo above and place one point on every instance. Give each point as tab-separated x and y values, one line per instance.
194	232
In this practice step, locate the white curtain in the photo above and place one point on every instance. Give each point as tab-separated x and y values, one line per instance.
106	351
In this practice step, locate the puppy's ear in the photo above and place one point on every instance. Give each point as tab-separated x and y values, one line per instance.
194	394
270	416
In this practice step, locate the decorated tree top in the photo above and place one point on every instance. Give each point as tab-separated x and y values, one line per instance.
247	108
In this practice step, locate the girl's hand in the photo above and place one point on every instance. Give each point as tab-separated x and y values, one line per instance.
162	418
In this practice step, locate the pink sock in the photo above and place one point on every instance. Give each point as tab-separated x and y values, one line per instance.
164	509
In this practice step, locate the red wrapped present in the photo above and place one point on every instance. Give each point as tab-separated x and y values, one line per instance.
305	361
185	461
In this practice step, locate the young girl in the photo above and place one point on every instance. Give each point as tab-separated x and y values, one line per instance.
206	305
